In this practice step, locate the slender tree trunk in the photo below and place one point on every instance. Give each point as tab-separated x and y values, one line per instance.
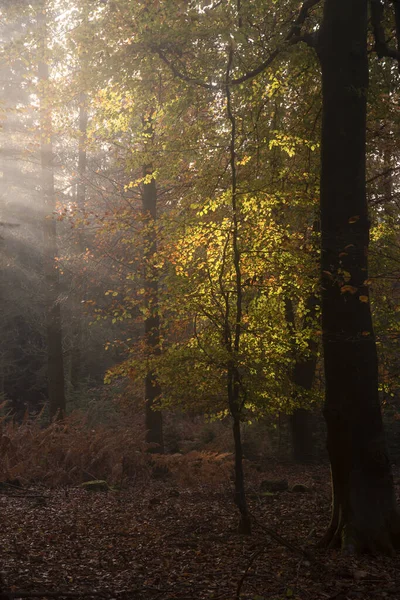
153	418
364	515
240	494
76	356
55	366
233	333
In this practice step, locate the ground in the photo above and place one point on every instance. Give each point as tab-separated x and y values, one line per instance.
162	540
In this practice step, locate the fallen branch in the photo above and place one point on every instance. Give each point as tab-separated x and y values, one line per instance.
280	540
247	569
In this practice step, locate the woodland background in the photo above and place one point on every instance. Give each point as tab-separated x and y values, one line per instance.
160	252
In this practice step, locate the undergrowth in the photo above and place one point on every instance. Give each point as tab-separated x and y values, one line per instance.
73	451
70	452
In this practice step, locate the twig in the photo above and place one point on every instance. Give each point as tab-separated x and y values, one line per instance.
275	536
246	571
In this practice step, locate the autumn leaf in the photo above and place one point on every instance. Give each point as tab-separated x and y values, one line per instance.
348	288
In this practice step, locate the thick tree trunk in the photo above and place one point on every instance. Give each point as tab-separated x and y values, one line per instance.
364	515
153	418
55	363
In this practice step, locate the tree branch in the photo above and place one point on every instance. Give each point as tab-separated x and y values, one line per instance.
257	70
182	76
396	4
293	37
381	46
301	18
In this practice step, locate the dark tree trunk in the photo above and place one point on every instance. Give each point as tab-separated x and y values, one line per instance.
303	379
302	435
233	389
153	418
55	368
364	515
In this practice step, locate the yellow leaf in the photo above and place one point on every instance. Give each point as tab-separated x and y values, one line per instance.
346	276
364	299
354	219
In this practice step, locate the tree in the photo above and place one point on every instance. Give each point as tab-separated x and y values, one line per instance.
364	514
364	510
152	390
55	373
76	351
303	374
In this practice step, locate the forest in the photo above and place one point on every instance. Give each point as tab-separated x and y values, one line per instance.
200	299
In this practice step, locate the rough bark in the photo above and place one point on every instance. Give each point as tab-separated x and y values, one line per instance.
55	363
364	515
153	418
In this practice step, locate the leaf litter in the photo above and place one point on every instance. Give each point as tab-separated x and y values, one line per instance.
164	540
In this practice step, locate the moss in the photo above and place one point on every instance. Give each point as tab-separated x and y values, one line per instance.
97	485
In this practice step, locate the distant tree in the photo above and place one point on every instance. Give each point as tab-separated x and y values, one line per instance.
55	373
152	389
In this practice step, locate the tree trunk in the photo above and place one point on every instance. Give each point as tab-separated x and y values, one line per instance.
233	392
153	418
364	515
76	355
55	365
302	436
303	379
244	526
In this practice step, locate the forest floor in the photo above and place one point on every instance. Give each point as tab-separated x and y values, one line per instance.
164	541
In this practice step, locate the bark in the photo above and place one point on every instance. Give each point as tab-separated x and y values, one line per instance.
153	418
364	515
55	363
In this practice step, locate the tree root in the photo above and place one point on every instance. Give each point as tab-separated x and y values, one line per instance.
352	540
